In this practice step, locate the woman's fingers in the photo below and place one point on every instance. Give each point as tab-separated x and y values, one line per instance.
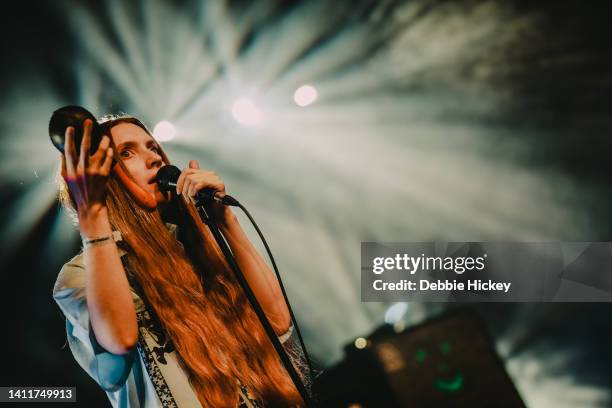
69	152
105	168
198	186
85	144
193	179
190	180
63	166
180	183
99	156
85	174
192	189
199	181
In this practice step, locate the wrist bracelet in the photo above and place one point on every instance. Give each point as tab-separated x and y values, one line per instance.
88	243
113	237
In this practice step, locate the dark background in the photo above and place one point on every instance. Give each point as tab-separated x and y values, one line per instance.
556	84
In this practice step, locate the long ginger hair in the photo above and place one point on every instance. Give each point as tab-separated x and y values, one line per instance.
196	298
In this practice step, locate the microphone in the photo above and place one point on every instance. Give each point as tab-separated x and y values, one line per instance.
166	180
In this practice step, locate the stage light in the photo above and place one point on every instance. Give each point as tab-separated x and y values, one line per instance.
305	95
395	312
246	112
164	131
361	343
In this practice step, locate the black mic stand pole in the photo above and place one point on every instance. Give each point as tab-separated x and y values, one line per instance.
204	211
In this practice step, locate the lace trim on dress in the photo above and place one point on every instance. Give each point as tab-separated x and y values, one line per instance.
161	387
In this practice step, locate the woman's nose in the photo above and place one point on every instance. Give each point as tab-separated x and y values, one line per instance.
154	160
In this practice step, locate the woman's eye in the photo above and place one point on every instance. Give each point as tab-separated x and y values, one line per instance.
156	149
125	153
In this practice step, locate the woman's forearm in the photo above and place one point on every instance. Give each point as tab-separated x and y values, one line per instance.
258	274
109	300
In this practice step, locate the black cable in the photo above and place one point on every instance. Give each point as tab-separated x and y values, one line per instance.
280	281
204	213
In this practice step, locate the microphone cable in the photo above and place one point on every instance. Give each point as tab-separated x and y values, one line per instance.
280	281
166	178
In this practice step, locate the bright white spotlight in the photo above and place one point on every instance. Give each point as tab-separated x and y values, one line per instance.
164	131
246	112
396	312
305	95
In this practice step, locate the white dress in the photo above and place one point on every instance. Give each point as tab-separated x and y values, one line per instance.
149	376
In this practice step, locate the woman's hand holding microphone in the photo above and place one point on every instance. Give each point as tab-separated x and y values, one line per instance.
193	180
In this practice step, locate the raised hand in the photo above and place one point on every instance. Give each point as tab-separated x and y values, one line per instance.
87	175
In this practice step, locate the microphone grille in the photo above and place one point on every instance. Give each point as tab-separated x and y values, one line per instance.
166	175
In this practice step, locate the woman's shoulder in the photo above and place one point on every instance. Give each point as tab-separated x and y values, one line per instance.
71	275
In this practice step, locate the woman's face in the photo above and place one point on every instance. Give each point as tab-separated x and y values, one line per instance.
141	155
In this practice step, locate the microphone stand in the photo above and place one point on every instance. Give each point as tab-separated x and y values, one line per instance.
204	211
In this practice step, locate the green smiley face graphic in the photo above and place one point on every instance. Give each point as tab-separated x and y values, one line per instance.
443	381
